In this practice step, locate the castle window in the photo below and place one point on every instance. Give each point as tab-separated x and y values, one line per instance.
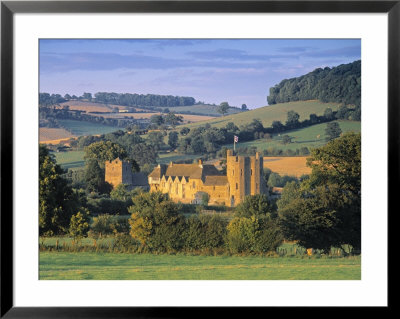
236	158
241	172
237	186
194	184
213	188
251	171
176	189
233	172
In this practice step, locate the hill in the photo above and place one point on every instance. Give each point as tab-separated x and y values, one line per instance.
268	114
341	84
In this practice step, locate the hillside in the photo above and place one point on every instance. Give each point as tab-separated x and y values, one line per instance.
268	114
341	84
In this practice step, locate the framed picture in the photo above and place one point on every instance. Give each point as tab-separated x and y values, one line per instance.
44	42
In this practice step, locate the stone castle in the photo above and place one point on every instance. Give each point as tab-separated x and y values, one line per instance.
187	183
120	172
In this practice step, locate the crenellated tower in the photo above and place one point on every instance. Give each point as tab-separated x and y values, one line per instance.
244	175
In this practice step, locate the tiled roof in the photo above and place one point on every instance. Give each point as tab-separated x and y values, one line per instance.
216	181
194	171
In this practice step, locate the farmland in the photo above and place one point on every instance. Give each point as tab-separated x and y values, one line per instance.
53	135
292	166
268	114
122	266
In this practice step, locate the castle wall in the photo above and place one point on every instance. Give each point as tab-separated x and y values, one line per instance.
113	172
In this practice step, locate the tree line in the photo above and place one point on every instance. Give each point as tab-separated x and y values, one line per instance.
341	84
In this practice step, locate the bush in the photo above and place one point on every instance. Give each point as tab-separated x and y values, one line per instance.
257	235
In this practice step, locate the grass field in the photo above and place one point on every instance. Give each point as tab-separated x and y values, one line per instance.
311	137
268	114
80	128
202	109
119	266
70	159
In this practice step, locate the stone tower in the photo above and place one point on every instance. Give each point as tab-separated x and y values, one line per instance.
118	172
244	175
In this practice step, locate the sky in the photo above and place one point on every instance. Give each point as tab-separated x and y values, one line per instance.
237	71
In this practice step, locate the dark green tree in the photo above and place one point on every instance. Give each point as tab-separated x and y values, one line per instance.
223	108
173	139
332	131
57	201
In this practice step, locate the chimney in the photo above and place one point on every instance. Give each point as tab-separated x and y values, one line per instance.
171	164
200	162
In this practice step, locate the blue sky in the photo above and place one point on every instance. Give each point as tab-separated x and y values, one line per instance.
234	70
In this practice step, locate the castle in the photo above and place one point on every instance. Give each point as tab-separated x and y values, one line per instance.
120	172
187	183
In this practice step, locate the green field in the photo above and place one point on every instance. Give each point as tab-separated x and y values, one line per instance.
70	159
202	110
119	266
268	114
305	137
82	128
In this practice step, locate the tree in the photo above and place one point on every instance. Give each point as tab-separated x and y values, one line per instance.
157	119
325	210
155	222
286	139
87	96
156	139
223	108
144	154
173	139
292	119
277	126
184	131
104	151
244	107
332	131
79	225
173	119
328	114
94	177
57	201
255	205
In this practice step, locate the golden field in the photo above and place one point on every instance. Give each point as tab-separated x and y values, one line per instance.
53	135
294	166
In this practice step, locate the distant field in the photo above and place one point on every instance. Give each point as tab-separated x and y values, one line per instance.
293	166
47	135
120	266
70	159
202	109
186	117
268	114
311	137
80	128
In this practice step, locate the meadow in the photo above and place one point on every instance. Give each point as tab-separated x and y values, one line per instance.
122	266
83	128
268	114
204	109
70	159
311	137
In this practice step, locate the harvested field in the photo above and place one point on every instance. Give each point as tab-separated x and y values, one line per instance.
293	166
53	135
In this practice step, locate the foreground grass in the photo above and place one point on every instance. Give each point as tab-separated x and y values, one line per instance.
118	266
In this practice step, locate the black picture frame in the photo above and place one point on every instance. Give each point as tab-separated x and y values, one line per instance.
9	8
